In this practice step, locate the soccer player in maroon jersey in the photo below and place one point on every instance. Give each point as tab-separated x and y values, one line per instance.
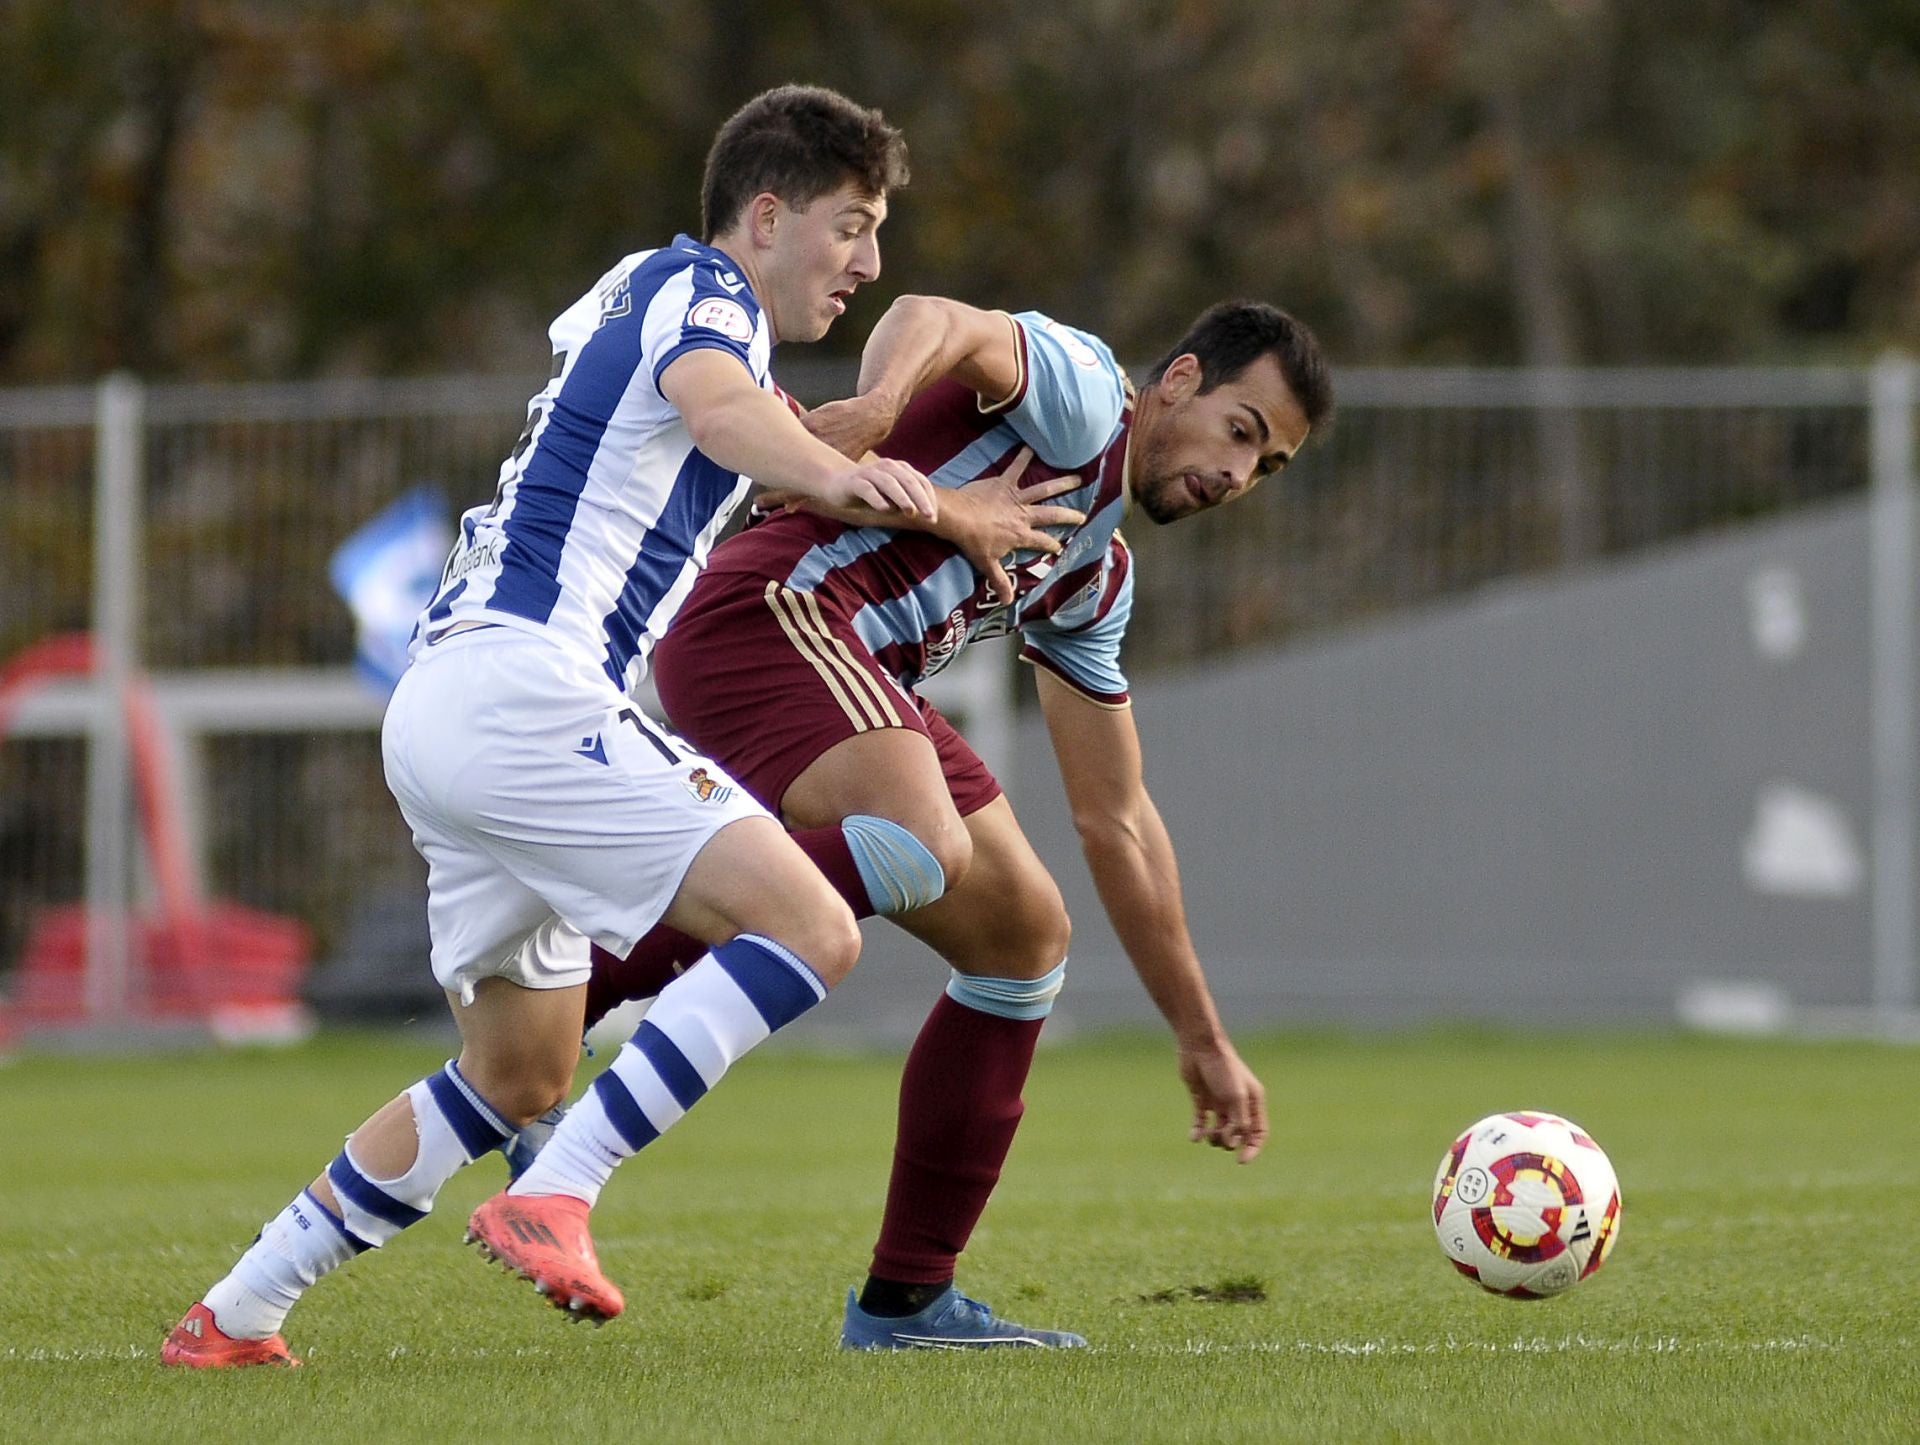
794	663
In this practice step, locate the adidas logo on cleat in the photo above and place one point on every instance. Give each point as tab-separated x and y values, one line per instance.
534	1232
198	1343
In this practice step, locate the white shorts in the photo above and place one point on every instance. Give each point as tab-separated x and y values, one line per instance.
549	809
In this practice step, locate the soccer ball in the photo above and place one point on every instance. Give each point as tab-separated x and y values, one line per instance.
1526	1204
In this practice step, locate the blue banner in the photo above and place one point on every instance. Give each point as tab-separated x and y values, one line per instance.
386	574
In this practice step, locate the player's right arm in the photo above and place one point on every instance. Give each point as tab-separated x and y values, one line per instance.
745	429
923	339
920	340
986	519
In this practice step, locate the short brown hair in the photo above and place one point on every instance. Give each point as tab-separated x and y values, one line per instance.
799	142
1232	335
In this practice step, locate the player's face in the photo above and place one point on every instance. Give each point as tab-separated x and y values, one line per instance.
1199	449
816	257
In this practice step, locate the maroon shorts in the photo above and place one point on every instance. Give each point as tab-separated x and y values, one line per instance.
764	679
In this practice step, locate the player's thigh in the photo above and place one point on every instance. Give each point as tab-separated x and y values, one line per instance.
512	972
891	773
532	762
752	878
778	687
1005	918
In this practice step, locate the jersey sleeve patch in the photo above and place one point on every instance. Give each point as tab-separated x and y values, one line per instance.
697	311
1071	392
721	314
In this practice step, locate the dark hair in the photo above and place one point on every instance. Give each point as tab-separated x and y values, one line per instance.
799	142
1230	336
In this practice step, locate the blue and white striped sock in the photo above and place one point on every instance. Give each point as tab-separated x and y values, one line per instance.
702	1022
306	1240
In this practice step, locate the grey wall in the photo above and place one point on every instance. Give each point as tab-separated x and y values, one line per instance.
1560	800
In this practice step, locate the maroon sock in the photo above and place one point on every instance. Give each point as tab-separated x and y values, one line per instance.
959	1107
665	953
656	961
828	849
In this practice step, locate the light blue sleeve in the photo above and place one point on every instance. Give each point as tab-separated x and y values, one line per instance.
1080	644
1070	395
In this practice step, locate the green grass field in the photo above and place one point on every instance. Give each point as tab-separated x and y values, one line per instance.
1765	1285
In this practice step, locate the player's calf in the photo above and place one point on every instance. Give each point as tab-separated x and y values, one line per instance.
704	1022
312	1237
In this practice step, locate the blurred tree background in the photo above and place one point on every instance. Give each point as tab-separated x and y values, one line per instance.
280	189
287	188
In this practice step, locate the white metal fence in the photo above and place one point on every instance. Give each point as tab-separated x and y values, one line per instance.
187	529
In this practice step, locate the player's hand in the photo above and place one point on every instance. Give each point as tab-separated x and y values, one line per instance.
855	426
1000	517
1229	1105
885	485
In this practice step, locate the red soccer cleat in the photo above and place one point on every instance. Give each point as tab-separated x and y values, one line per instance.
198	1343
544	1238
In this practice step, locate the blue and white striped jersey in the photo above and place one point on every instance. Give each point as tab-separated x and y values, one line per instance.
606	510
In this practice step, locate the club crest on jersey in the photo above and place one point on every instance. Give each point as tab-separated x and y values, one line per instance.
1087	594
1082	354
729	318
706	788
940	651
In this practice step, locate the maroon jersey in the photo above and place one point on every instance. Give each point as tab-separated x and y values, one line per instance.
914	601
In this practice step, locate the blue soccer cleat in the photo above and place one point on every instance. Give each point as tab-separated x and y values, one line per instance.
520	1148
951	1322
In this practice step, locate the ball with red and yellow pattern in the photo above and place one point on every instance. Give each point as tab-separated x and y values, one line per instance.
1526	1204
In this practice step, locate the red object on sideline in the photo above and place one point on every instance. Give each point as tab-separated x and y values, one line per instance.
235	968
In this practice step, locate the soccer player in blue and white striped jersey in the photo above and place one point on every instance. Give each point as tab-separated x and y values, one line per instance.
551	813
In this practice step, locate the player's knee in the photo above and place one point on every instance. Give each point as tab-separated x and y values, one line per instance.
828	939
520	1089
814	922
899	872
1051	935
1027	935
1037	950
951	845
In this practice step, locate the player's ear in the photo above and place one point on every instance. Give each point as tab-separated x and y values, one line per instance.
764	212
1181	380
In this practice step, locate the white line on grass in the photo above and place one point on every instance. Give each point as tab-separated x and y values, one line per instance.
1637	1344
1524	1345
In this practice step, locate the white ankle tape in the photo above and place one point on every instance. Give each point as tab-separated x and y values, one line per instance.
454	1126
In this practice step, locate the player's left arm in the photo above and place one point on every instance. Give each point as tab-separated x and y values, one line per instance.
1134	868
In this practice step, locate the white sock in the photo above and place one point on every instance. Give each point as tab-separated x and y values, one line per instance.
702	1022
306	1240
299	1244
